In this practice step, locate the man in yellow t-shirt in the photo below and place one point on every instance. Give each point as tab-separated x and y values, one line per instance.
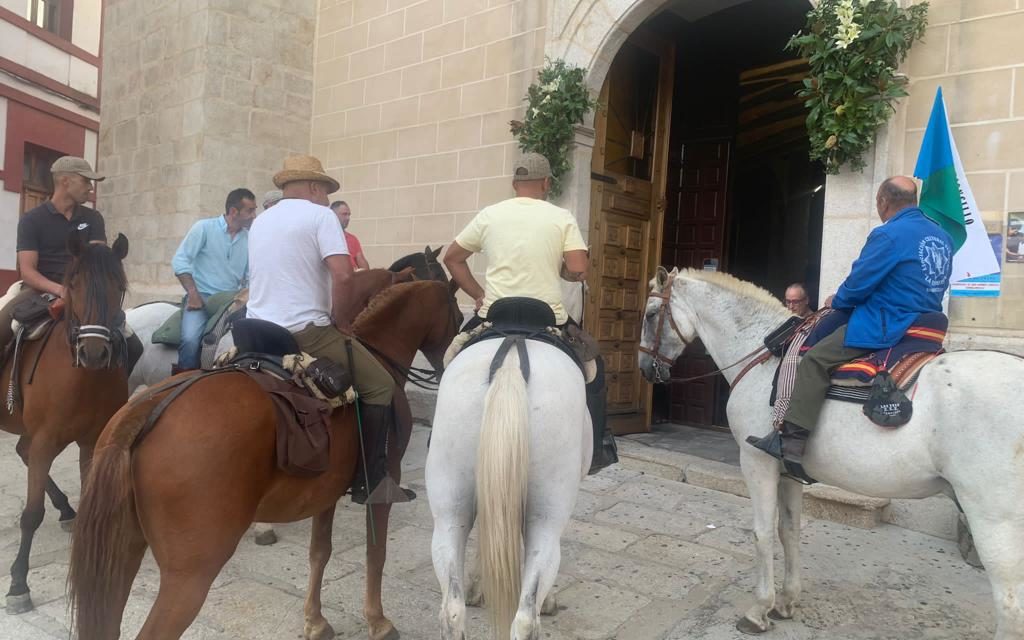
530	244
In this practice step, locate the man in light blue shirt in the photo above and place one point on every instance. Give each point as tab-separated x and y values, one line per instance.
213	258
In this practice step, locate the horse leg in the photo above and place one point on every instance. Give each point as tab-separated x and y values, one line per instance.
188	566
999	546
452	523
380	627
543	555
317	627
40	456
57	497
791	500
762	477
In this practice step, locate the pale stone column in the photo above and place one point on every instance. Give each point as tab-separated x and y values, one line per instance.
199	98
576	187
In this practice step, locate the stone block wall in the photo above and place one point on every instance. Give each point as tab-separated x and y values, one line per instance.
200	97
973	51
411	111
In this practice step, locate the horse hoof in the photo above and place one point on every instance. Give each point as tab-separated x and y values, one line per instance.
19	604
550	605
320	631
392	634
265	538
67	525
749	627
775	614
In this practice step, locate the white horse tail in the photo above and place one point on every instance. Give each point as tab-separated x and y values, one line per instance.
501	480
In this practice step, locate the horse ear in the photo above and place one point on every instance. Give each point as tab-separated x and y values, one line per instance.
436	252
674	272
120	247
76	244
661	278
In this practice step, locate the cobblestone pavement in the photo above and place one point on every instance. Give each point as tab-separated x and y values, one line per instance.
643	559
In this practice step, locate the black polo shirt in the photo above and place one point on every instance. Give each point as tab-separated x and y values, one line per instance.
45	230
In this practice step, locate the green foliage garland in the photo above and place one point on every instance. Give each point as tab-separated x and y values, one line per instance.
557	102
854	48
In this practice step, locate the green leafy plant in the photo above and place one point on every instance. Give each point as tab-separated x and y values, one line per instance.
557	102
854	48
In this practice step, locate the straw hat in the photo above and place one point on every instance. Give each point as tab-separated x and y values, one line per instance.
298	168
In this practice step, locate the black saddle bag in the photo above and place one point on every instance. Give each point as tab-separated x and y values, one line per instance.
777	341
330	378
887	405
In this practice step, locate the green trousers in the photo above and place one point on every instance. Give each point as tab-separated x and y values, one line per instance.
813	375
373	383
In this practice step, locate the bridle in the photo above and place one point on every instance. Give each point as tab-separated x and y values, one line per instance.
655	350
112	335
755	357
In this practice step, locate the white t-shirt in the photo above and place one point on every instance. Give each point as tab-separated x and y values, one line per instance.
289	284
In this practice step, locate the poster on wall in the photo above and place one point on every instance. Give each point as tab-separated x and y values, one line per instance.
1015	237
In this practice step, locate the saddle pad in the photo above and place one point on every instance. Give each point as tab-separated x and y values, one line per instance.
905	374
169	332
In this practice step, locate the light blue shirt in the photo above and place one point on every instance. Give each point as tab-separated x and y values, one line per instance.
216	261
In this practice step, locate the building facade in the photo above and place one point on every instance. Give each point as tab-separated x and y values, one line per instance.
49	102
698	156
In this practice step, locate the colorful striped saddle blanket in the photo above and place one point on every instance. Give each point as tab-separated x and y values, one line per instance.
920	345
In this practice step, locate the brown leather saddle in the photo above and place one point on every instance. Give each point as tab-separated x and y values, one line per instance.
36	319
303	421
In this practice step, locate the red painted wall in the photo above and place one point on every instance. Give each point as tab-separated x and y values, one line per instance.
7	278
25	124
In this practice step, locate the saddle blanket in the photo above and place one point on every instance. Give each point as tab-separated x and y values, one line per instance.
169	333
925	337
904	374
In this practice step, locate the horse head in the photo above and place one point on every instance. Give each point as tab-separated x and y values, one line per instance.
94	289
425	265
667	328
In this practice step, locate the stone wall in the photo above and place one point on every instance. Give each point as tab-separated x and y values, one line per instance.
412	108
200	97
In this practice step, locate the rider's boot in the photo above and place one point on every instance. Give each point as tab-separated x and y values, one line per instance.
787	445
605	451
374	485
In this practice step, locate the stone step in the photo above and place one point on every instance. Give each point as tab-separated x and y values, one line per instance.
934	516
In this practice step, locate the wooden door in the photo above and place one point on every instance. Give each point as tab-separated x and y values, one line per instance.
627	203
32	198
695	224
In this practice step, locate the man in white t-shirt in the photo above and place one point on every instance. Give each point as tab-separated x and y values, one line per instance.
530	244
298	277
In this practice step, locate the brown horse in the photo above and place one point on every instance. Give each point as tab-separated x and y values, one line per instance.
192	515
77	384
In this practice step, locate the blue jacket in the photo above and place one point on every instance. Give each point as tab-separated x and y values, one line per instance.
903	271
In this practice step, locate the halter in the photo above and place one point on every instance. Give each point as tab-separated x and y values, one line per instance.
112	336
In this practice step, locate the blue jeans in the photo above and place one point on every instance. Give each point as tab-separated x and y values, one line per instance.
192	324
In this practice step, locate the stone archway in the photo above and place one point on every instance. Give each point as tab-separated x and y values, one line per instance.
589	34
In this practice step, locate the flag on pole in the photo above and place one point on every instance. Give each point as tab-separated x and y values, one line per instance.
947	199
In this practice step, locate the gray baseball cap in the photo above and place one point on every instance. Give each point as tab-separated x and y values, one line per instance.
71	164
531	166
272	197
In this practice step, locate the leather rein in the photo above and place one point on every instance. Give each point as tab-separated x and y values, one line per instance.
754	358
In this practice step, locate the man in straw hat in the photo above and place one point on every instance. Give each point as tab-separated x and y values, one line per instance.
298	275
529	244
42	244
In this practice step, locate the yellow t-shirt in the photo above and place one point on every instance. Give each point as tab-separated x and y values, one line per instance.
524	240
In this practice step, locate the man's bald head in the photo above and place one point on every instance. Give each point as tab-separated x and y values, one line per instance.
894	195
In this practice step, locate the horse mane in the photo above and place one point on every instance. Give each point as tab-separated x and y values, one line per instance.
732	283
386	299
100	267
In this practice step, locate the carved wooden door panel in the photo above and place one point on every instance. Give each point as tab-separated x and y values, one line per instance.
626	205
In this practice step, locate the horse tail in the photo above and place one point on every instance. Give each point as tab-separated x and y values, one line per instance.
501	481
104	543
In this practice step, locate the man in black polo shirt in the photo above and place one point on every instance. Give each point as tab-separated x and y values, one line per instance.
43	238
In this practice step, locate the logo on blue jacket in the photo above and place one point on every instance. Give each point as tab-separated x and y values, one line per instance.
935	256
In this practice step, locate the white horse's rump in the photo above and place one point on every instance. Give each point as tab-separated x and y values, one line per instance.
964	440
510	455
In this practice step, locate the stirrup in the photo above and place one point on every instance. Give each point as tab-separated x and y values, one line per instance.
770	444
795	471
389	492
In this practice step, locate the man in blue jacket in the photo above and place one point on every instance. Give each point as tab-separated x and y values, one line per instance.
903	271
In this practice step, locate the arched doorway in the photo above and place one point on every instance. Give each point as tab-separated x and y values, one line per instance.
700	161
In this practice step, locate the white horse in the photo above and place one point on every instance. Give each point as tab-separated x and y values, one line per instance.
509	455
964	440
